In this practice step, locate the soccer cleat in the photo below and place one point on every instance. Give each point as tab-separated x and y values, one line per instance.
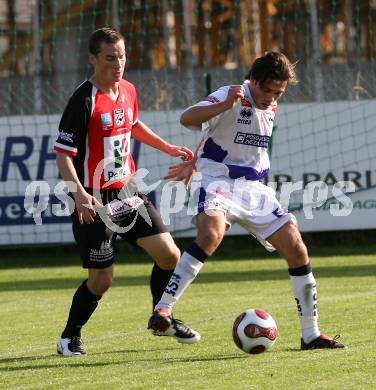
163	324
71	347
323	342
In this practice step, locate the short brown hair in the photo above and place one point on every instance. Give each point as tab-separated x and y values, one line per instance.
272	66
104	34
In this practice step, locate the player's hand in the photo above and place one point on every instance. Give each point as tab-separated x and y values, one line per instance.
85	207
182	172
180	151
235	93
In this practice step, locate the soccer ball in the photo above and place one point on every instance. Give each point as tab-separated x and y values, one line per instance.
254	331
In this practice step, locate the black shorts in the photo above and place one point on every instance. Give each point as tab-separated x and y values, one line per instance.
96	240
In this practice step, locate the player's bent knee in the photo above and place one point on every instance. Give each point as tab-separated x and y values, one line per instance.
209	240
99	281
168	258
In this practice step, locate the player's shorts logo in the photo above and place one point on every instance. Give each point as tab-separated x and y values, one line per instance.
119	116
106	121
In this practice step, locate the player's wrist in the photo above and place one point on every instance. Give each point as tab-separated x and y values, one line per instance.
79	193
169	149
228	104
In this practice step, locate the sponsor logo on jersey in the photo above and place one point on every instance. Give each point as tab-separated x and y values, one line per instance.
116	157
246	115
119	152
106	121
68	137
257	140
119	116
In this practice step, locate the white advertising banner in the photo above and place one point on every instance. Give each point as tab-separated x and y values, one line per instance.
322	163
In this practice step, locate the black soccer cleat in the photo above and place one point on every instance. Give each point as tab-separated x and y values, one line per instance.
160	321
323	342
71	347
163	324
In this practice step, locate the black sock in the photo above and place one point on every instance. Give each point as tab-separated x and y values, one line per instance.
83	305
158	282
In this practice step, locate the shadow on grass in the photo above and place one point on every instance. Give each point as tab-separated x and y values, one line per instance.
82	362
233	247
22	359
203	278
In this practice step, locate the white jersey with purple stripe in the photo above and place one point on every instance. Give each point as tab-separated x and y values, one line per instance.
236	141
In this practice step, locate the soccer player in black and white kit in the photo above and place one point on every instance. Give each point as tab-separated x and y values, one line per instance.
237	123
94	156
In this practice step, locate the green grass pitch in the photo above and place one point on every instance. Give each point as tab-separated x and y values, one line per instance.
36	292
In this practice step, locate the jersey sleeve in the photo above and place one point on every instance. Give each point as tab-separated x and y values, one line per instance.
133	103
73	125
135	108
215	97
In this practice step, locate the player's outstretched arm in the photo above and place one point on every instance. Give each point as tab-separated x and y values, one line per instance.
182	172
185	170
144	134
196	115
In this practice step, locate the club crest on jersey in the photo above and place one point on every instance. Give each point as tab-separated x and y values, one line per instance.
106	121
119	116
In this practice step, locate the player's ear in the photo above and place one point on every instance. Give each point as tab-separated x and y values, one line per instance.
92	59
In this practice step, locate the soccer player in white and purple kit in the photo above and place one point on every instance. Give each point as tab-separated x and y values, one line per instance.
237	123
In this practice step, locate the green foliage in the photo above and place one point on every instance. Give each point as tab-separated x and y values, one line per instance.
123	355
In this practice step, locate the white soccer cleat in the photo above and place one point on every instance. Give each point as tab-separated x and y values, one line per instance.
71	347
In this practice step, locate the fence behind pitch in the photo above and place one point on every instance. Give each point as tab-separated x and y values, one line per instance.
325	127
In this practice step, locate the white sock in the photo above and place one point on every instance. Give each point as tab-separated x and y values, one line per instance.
305	292
185	272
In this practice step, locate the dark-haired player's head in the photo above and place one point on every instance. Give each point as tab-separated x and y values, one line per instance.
269	76
272	66
107	55
103	35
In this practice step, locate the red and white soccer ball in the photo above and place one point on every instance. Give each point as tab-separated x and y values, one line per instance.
254	331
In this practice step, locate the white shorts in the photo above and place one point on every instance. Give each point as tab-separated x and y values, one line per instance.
251	204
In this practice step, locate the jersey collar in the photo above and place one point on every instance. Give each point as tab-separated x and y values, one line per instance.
247	92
